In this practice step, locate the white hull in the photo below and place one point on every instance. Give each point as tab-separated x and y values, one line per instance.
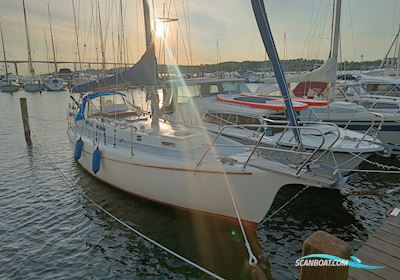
336	156
33	87
179	183
55	86
341	160
389	134
10	88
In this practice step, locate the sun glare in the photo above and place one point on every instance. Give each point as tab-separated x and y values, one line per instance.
160	28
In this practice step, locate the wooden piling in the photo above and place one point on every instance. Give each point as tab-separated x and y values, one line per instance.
322	242
25	120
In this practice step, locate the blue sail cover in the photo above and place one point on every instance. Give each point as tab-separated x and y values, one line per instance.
143	73
268	40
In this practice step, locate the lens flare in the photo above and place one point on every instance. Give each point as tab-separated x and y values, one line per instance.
160	28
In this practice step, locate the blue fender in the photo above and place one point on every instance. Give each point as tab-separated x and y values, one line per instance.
78	149
96	160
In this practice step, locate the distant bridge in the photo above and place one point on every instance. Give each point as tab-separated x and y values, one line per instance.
75	63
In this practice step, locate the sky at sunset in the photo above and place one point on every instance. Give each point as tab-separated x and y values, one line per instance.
368	27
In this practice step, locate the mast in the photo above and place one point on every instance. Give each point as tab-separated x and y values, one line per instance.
336	29
4	50
335	45
398	56
52	41
268	40
47	49
103	56
121	35
217	59
30	66
177	48
151	90
390	48
77	36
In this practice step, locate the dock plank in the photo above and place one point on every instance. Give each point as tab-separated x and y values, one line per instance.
387	237
388	272
372	254
360	274
391	229
382	248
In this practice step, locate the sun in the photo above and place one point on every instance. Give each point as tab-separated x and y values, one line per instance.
160	28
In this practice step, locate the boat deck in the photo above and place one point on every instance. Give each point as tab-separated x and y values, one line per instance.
382	248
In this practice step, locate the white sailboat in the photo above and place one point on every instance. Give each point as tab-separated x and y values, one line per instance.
321	84
176	164
8	82
53	83
228	102
31	84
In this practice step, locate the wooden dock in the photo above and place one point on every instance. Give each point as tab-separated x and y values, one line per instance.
382	248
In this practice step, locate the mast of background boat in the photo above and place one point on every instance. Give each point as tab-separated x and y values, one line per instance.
396	38
268	40
52	41
335	45
398	56
30	66
151	90
103	56
77	36
46	49
121	36
4	51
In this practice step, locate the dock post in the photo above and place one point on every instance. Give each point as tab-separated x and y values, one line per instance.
25	120
321	242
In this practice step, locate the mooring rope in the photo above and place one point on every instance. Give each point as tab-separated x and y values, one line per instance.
252	258
380	165
283	205
71	183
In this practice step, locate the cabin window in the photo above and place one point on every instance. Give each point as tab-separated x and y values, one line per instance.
386	106
187	92
367	104
225	119
209	90
234	88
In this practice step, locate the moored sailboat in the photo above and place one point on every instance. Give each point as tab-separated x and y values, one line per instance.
31	83
8	82
177	164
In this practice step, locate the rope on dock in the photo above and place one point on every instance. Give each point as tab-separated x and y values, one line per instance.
137	232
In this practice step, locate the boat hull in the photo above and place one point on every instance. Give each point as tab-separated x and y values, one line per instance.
342	160
389	133
55	86
10	88
33	87
205	190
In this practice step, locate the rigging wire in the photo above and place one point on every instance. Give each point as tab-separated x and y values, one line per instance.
181	33
137	232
